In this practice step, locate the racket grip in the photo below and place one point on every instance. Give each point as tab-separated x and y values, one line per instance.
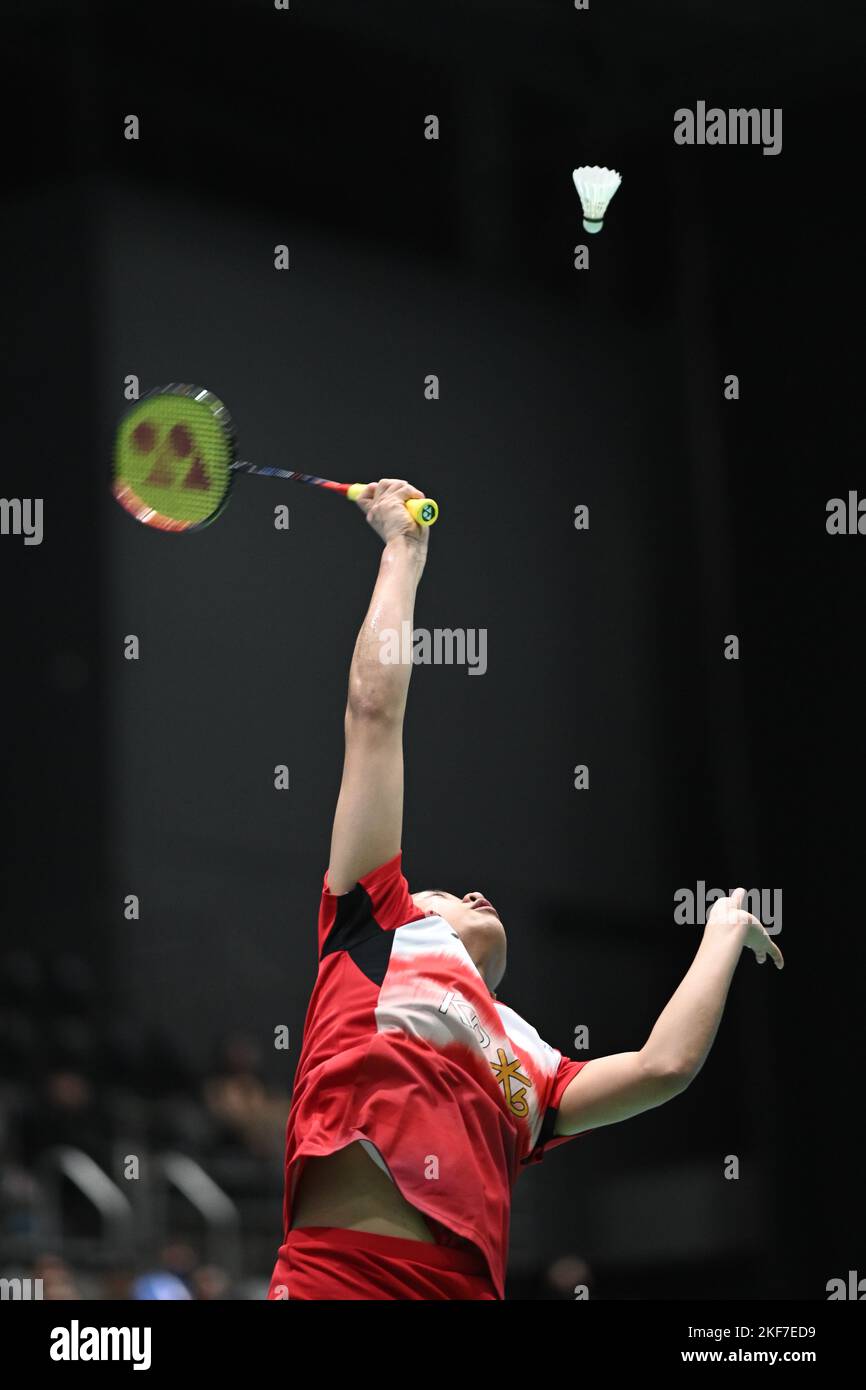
423	510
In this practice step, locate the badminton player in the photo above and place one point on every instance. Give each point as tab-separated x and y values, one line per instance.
419	1096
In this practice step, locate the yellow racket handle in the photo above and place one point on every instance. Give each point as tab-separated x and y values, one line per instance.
421	509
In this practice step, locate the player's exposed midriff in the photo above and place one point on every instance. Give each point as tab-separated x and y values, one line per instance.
348	1190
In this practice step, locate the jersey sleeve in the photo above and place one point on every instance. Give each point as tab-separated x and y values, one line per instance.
380	901
565	1072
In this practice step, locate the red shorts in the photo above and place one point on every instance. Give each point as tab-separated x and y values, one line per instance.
327	1262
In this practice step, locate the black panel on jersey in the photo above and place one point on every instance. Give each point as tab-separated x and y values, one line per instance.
548	1125
356	930
353	922
372	955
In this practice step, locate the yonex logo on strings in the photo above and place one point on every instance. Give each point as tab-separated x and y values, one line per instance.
176	448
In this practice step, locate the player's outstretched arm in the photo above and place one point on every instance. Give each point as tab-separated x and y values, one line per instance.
368	822
609	1089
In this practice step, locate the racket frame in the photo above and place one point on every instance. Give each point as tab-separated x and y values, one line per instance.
142	511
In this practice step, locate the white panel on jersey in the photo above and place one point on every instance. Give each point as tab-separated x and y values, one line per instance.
434	991
430	985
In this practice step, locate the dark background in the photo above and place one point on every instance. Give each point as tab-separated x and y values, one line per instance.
558	387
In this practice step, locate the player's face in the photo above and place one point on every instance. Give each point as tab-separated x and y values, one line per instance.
476	922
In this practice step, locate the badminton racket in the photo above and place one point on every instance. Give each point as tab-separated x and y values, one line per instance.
175	459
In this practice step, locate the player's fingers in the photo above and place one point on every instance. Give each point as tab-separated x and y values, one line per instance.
364	500
400	487
738	897
768	947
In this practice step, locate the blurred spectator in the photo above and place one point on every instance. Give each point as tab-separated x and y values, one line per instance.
58	1280
160	1286
210	1283
19	1195
74	1075
65	1111
567	1276
179	1258
241	1103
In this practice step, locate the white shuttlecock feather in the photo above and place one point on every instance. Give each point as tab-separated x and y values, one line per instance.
595	188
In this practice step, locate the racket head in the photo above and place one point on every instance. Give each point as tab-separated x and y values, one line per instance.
173	456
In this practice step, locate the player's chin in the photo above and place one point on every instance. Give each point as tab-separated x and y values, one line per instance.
490	919
488	929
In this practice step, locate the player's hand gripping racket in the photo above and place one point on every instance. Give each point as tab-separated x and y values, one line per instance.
175	456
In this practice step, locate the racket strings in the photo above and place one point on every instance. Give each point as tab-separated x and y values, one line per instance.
173	461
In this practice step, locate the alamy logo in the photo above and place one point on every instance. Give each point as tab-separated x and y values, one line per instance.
838	1289
77	1343
691	905
20	1290
22	516
444	646
737	126
846	518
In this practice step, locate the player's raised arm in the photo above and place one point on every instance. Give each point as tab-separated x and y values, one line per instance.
609	1089
368	821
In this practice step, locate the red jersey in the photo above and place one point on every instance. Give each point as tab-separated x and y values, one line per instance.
406	1050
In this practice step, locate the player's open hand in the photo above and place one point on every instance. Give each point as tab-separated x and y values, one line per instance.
384	505
728	912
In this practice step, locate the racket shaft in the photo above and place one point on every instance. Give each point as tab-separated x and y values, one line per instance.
423	510
243	466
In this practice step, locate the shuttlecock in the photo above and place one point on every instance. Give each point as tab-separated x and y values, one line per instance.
595	188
